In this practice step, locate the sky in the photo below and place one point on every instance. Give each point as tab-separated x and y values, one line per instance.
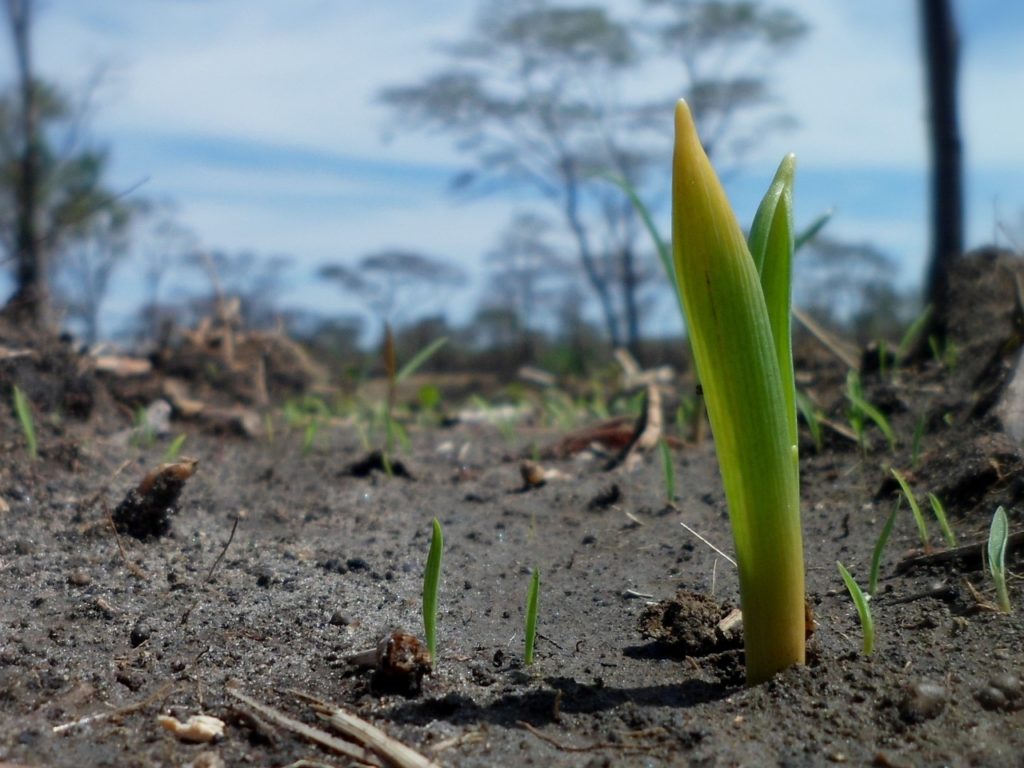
260	120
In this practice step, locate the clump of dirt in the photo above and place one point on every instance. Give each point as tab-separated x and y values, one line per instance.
145	513
691	624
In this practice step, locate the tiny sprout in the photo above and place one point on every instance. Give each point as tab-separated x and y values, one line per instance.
24	413
998	535
860	600
532	595
431	586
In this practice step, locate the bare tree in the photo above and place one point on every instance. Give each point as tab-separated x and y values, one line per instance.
538	95
50	184
396	283
939	45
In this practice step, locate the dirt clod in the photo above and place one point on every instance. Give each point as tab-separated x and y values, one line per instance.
923	700
146	511
688	625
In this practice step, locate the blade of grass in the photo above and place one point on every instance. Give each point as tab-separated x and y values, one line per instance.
940	515
860	600
431	588
922	527
876	554
532	598
667	470
417	360
23	411
855	394
811	231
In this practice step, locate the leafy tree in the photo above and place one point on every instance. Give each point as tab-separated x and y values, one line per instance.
51	183
538	96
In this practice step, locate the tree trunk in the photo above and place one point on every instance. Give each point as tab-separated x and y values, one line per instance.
940	44
30	300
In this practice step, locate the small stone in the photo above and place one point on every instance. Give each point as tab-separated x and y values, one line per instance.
1007	684
339	619
79	578
357	564
922	701
141	632
991	698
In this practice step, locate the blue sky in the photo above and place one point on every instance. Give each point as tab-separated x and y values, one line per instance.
258	118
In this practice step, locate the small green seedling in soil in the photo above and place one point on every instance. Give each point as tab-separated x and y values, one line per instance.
668	471
922	528
998	535
532	596
736	295
876	554
861	408
860	600
913	333
23	411
940	515
174	449
431	586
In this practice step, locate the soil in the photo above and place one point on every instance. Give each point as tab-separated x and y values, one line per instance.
279	564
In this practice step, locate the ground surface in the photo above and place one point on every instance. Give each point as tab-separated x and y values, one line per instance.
324	564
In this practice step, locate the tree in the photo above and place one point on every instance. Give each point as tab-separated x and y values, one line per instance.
537	96
939	45
527	272
392	283
50	184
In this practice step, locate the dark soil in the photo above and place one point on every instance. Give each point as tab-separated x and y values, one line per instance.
326	561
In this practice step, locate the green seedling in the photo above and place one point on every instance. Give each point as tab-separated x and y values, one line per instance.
860	409
876	554
860	600
998	535
913	333
812	418
940	515
431	587
174	449
922	527
532	596
668	471
23	411
737	304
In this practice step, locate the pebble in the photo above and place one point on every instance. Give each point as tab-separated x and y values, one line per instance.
339	619
1008	684
1002	692
79	578
922	700
141	632
991	698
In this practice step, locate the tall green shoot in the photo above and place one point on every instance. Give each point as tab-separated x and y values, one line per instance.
940	515
876	553
737	304
23	411
532	597
998	535
431	588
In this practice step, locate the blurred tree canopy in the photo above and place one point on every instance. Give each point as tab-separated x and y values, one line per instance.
550	97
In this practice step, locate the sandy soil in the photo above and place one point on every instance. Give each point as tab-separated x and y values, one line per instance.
323	564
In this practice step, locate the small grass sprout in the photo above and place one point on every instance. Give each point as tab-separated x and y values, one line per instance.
737	301
861	408
922	527
876	554
998	535
431	588
860	600
940	515
532	597
916	439
174	449
668	470
23	411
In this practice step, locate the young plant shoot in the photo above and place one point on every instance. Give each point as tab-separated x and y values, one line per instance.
860	600
997	537
532	595
431	585
737	305
28	426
